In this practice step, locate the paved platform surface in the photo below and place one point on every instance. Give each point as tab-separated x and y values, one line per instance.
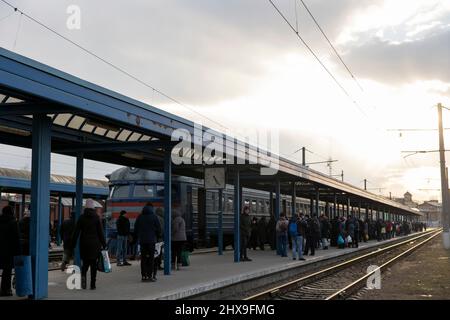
207	271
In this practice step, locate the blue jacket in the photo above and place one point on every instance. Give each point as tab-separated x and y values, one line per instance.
147	226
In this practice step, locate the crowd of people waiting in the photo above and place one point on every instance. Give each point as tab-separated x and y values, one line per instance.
304	234
89	233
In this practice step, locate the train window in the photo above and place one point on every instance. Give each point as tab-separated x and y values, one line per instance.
160	191
267	207
254	206
261	208
121	191
230	204
144	190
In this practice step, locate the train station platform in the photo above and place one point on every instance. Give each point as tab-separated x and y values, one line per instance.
207	271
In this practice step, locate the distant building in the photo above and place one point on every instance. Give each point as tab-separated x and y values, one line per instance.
407	200
431	211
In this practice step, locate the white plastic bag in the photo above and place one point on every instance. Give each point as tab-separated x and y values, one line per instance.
158	248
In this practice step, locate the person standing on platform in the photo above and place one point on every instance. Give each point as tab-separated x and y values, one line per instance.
178	237
245	228
262	227
271	233
282	230
66	232
9	247
356	233
160	214
123	232
253	243
24	229
311	236
325	231
147	229
90	231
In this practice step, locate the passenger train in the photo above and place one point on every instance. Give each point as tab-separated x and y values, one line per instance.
132	188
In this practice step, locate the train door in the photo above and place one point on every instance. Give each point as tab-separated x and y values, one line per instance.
201	198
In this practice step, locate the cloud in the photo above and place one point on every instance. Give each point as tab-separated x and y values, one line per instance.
424	59
201	52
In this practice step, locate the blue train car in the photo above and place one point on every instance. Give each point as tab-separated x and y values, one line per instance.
131	189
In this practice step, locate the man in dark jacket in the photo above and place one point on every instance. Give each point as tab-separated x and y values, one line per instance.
92	239
24	229
311	236
325	231
271	232
262	226
356	233
9	247
245	228
147	229
66	232
123	231
334	231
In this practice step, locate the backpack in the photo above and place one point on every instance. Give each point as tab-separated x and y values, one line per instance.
293	228
283	226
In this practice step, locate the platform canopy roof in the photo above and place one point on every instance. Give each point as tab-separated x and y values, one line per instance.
110	127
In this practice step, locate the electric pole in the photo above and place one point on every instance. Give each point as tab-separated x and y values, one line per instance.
444	182
365	184
303	156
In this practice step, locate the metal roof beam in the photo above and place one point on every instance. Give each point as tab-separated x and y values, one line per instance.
115	146
26	108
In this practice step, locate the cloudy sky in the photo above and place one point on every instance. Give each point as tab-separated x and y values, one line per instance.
238	63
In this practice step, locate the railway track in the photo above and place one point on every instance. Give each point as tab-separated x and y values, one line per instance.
342	280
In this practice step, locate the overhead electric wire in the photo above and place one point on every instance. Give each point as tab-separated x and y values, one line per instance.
317	58
112	65
117	68
332	46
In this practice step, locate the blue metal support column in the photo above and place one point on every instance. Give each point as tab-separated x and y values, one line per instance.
348	206
22	206
219	225
359	210
241	200
317	202
311	207
58	235
237	213
271	203
294	199
78	200
277	199
167	211
334	206
277	211
40	203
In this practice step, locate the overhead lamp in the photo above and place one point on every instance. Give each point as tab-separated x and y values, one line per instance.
133	156
15	131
